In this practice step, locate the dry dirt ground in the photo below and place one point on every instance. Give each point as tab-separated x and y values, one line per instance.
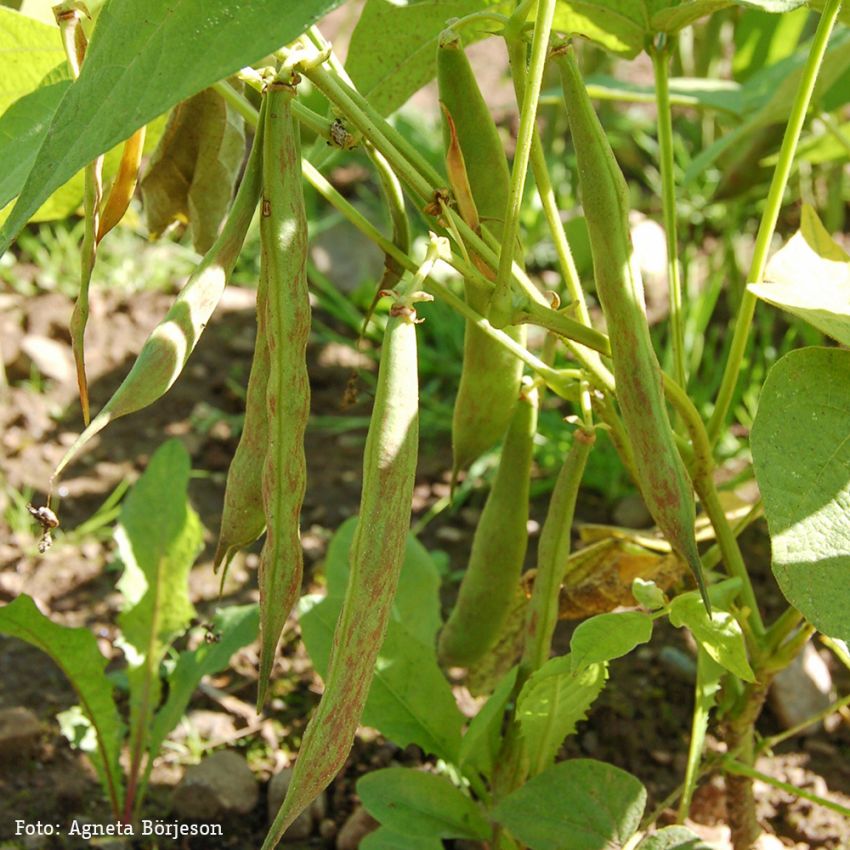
640	723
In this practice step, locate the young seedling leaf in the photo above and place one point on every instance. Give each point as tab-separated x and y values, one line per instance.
608	636
719	635
552	702
809	277
482	740
77	654
801	452
580	804
232	628
159	537
420	804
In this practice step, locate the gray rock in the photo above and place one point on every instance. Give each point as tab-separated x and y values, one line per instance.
359	824
305	824
220	785
802	689
19	732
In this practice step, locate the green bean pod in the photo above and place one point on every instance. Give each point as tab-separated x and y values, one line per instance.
283	258
243	518
661	475
169	345
375	558
498	547
490	377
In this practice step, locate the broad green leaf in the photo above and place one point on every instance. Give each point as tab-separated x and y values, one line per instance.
417	600
672	838
42	10
384	838
67	199
22	129
29	52
552	702
410	701
801	452
77	654
580	804
810	278
234	627
605	637
768	95
140	62
720	636
482	740
412	802
191	174
623	26
159	537
407	34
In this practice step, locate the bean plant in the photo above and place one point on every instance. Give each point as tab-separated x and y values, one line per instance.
224	70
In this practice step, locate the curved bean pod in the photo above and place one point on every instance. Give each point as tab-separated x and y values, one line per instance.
498	548
490	378
376	556
283	258
661	475
169	345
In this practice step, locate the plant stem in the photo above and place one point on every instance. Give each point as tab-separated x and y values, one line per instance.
516	52
774	740
770	216
728	544
737	768
501	306
660	62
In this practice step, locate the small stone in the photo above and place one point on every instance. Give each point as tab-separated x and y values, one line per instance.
328	829
19	732
303	826
221	784
51	358
631	512
802	689
358	825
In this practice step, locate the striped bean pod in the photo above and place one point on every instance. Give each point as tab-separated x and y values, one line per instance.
244	518
375	558
283	257
661	475
490	378
169	345
498	547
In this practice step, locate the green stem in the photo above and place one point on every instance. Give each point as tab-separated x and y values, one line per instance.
774	740
545	191
554	548
660	62
728	544
501	306
740	769
770	216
